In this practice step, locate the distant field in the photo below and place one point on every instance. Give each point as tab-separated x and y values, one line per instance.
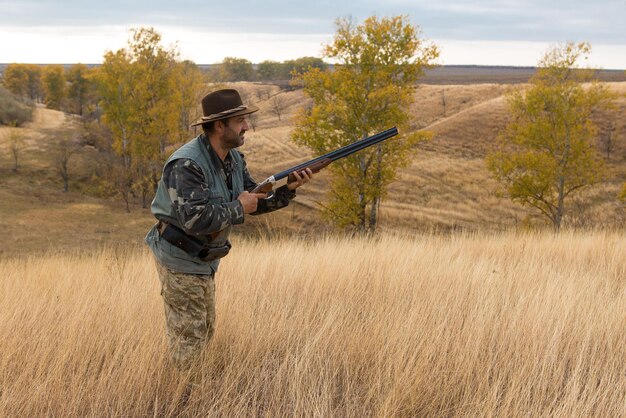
466	325
470	74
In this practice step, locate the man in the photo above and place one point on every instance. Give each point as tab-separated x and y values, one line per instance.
203	192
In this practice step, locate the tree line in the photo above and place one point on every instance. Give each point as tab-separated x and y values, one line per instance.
74	89
241	69
69	90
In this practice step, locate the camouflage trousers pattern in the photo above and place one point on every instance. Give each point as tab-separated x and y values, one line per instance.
189	301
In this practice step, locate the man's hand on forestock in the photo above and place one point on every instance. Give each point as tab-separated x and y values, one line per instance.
300	178
249	201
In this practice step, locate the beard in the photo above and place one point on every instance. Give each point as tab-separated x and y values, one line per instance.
232	139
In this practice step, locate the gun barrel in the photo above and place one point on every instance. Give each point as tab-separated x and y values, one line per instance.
342	152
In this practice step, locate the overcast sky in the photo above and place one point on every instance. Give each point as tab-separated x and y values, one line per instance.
482	32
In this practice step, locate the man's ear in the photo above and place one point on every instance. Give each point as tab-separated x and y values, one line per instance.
219	125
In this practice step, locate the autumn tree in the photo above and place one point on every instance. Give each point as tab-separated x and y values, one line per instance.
35	86
236	69
191	86
253	121
79	87
277	103
147	97
607	139
24	80
14	110
64	149
370	90
269	70
302	64
115	84
15	79
546	153
156	105
16	144
264	92
54	86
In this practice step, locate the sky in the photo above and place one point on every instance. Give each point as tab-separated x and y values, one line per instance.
479	32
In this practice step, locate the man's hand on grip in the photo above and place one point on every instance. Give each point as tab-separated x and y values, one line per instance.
300	178
249	201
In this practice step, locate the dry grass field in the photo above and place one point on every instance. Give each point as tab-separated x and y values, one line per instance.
461	306
466	325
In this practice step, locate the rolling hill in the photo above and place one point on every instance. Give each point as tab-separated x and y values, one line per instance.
446	187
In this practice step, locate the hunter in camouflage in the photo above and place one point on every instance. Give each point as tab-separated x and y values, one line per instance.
203	192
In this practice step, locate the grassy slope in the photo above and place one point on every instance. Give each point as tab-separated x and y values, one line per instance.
36	216
446	187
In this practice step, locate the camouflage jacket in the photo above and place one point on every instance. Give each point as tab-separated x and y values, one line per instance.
193	194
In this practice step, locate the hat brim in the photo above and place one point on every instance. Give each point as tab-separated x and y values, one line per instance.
249	109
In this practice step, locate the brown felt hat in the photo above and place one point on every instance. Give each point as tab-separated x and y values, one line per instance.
223	104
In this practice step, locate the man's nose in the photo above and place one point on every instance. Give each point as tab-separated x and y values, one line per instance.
245	126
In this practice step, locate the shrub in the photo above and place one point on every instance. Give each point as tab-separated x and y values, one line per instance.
14	110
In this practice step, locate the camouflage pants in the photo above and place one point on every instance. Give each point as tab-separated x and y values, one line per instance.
189	313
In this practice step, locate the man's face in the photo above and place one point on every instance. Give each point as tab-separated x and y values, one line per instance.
234	130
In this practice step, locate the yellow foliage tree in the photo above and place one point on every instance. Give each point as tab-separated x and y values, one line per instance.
369	90
23	80
269	70
190	87
143	104
155	106
115	84
546	153
54	86
15	79
236	69
79	86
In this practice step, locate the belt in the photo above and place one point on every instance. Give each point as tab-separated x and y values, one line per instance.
192	246
160	226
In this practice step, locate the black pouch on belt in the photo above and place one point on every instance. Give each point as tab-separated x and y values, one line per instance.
193	246
213	253
178	238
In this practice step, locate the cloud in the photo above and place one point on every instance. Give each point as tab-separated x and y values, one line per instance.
281	27
532	20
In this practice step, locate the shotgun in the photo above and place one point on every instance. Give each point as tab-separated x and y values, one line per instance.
316	164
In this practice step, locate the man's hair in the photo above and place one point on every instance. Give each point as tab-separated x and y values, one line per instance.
209	127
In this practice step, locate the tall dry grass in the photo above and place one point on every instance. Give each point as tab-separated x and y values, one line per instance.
506	325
